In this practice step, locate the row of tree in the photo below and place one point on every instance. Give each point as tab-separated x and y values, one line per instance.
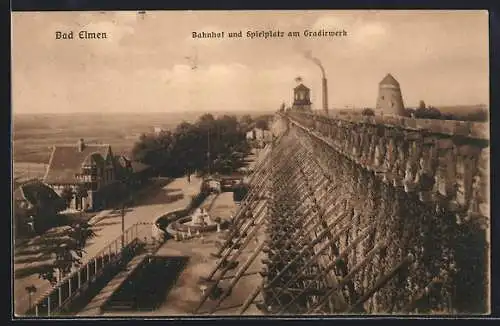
430	112
208	145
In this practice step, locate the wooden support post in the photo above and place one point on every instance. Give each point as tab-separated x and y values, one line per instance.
420	295
349	276
48	305
311	260
256	227
79	278
250	299
69	286
36	310
381	282
238	275
330	266
88	272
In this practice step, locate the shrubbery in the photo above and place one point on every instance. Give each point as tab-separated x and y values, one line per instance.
191	147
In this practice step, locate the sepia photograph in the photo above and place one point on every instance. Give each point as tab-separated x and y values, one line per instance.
250	163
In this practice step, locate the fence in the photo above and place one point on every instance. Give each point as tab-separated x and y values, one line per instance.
73	285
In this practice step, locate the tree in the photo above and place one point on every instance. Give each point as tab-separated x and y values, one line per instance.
368	112
195	146
82	232
246	119
262	123
31	290
421	105
67	249
80	193
480	115
206	118
427	113
67	195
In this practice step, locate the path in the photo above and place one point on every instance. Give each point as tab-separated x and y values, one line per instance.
176	195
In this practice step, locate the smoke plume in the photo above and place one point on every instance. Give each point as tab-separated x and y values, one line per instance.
309	56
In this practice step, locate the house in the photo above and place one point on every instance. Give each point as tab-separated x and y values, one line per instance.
260	136
36	203
158	130
83	174
130	171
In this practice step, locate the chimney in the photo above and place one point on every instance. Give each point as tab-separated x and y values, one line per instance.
81	145
325	96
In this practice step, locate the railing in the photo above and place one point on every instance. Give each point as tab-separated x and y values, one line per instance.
62	295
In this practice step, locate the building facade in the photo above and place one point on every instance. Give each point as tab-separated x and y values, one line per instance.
35	204
82	174
301	98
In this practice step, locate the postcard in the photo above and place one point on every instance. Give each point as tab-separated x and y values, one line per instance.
250	163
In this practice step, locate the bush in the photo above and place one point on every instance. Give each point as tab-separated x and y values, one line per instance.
427	113
368	112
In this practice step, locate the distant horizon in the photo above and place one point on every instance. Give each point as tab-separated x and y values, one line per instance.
228	112
240	112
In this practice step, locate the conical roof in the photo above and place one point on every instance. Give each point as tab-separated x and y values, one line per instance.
389	80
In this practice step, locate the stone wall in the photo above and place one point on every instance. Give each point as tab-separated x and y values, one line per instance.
445	162
414	213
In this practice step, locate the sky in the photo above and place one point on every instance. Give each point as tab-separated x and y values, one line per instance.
146	62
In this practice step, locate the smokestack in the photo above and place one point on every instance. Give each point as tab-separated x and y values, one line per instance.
324	85
325	95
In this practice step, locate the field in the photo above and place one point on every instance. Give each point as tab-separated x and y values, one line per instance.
24	171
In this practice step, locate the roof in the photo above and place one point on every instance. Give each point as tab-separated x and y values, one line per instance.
122	161
389	80
38	194
138	166
301	86
66	161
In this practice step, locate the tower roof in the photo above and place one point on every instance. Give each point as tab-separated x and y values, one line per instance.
301	86
389	80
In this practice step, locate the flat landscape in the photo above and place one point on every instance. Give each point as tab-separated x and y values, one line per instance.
35	134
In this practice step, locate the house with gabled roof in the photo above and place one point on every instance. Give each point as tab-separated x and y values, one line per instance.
130	171
86	169
35	202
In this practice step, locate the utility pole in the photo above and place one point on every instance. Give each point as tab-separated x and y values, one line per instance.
208	151
123	226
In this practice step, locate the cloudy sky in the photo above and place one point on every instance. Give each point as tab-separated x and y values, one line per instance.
440	57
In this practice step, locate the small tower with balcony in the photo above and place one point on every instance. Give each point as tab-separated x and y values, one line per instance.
301	97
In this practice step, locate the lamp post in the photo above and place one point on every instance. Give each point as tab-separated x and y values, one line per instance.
31	290
208	151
